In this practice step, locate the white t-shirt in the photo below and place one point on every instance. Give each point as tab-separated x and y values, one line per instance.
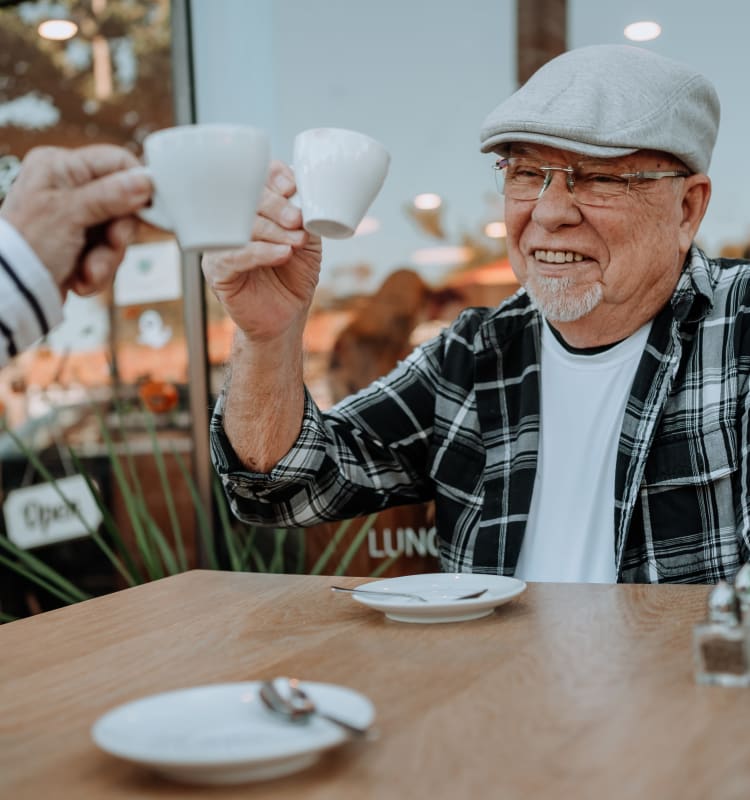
30	302
570	533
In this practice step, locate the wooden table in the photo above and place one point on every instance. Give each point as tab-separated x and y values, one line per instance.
568	691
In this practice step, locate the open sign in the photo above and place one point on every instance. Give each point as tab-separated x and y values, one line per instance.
39	515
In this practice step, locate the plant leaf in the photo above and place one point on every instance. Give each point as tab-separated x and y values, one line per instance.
248	547
329	549
204	524
142	542
276	564
235	560
168	494
31	574
301	546
129	571
355	544
168	558
384	565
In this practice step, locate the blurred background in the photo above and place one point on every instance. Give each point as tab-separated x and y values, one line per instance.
123	389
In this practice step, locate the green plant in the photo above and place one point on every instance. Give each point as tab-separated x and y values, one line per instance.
156	553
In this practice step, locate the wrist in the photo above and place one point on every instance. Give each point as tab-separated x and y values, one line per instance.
268	352
288	340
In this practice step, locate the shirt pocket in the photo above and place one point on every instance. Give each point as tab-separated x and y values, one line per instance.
457	470
688	497
697	459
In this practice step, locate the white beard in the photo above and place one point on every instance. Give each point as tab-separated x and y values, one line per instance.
559	301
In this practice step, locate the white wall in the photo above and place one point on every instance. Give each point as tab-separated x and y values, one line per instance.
419	75
233	49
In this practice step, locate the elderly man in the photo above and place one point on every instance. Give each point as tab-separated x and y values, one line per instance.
594	427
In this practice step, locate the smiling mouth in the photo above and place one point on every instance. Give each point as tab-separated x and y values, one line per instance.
557	256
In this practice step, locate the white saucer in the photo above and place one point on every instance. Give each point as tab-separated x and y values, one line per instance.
438	589
222	733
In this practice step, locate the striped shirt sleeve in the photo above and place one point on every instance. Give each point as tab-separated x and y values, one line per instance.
30	301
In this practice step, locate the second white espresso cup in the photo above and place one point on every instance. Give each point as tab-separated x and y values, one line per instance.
208	181
338	173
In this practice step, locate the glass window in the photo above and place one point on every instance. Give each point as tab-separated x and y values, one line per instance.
420	77
77	72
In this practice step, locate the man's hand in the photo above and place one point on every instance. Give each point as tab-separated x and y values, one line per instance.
74	209
267	287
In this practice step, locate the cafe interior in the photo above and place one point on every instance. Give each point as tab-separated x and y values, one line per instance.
142	630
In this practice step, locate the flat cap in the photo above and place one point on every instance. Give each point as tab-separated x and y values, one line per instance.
611	100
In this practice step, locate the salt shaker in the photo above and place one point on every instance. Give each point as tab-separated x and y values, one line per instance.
721	650
742	590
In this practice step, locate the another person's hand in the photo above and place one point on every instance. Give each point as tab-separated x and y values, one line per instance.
267	287
74	207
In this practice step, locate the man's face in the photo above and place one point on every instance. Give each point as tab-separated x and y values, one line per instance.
600	272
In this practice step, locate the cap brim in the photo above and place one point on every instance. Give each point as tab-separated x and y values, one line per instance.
500	142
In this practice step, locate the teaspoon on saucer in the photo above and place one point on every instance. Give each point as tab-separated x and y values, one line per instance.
378	593
296	705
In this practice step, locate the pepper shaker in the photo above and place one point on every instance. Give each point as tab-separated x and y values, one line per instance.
721	650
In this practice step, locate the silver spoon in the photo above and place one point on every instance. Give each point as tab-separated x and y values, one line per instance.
298	706
378	593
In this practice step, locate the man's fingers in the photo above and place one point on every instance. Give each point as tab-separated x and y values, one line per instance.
281	178
279	209
267	231
223	269
105	250
60	167
116	195
122	232
96	270
95	161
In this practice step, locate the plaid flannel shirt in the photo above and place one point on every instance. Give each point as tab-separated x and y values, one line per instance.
457	422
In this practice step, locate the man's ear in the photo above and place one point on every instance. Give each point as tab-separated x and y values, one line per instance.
696	193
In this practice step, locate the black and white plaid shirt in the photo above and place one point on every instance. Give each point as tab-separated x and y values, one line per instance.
458	422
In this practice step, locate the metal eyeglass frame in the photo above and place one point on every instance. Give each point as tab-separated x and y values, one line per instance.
645	175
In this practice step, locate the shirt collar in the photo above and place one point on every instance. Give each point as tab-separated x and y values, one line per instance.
693	296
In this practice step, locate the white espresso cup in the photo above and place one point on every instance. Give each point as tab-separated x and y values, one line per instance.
338	173
208	181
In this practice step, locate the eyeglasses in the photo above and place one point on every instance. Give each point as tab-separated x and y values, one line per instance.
590	184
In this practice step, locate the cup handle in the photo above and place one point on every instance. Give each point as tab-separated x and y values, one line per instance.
155	214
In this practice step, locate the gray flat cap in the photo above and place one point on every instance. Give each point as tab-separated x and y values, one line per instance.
607	101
